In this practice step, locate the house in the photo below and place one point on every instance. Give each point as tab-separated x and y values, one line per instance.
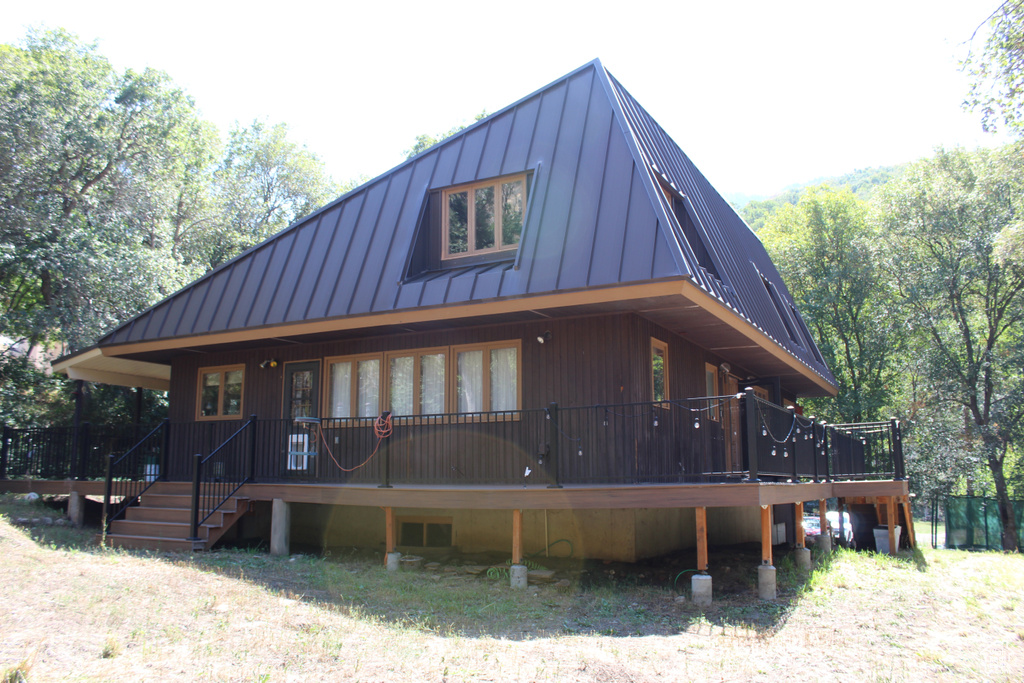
575	335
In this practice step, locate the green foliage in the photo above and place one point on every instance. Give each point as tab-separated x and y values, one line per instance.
826	251
997	72
83	147
116	194
426	141
861	182
264	183
950	227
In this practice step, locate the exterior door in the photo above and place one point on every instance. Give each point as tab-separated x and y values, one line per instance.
301	400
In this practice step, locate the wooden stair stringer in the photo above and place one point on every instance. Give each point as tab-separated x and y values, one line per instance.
162	521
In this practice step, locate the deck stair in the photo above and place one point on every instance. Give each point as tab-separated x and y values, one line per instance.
162	521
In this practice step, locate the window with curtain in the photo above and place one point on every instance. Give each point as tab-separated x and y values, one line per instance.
353	387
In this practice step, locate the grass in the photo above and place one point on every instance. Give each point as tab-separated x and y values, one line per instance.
74	611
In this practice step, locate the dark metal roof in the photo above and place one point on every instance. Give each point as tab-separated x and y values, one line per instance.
596	217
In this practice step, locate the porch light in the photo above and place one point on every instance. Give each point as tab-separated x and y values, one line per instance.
269	363
546	337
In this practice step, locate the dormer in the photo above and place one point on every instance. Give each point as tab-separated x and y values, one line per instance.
471	224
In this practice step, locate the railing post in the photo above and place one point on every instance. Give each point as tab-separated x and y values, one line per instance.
751	431
107	492
165	449
793	426
826	446
197	463
815	451
84	445
386	484
252	448
899	466
553	444
5	435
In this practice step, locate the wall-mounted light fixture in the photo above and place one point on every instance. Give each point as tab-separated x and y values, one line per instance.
725	367
269	363
546	337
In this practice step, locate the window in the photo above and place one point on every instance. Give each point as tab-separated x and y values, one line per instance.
353	386
416	382
487	377
659	370
776	298
425	532
483	217
711	388
466	379
220	392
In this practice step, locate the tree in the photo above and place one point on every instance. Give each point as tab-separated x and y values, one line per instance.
951	226
826	250
264	183
426	141
997	72
83	150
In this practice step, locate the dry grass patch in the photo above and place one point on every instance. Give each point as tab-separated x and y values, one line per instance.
72	611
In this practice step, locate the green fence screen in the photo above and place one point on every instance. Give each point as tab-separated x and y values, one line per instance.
972	523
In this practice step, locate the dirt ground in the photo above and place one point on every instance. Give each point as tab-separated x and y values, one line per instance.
70	611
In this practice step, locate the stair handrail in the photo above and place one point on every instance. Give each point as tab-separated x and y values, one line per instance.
130	496
197	481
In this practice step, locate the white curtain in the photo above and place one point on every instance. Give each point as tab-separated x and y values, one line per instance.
400	387
503	379
432	384
368	398
340	400
471	381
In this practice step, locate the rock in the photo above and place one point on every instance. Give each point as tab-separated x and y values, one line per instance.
29	497
432	566
22	521
46	521
537	576
679	599
563	583
411	562
474	569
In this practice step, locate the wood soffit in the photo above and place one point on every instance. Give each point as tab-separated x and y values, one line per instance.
676	304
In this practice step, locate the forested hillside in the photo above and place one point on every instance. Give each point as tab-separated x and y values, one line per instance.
862	182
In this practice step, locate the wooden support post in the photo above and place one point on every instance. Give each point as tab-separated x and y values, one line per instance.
766	534
822	510
702	539
910	523
890	513
390	542
517	537
798	515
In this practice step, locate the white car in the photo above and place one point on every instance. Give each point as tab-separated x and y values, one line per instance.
832	517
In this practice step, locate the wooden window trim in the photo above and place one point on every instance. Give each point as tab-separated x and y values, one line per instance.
416	354
451	403
353	390
223	370
663	347
487	414
471	249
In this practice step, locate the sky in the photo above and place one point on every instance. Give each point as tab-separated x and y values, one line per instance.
760	95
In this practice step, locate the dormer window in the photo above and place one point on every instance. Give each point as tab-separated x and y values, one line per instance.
483	217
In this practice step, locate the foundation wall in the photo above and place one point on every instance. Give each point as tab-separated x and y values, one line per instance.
619	535
728	526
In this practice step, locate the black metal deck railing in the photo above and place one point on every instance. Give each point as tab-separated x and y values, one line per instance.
704	439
